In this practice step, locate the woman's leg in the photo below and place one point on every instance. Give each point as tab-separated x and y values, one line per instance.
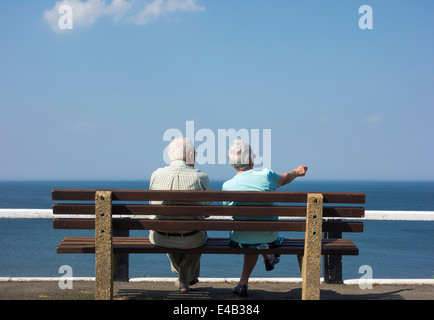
248	266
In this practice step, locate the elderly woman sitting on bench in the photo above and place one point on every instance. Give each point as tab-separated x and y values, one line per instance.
241	157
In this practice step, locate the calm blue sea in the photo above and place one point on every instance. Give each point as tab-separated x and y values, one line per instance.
394	249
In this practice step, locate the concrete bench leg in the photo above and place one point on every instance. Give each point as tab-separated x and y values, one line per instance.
311	260
104	258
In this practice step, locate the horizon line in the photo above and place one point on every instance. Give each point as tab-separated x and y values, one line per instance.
219	179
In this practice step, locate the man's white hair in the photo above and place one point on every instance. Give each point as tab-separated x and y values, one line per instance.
239	154
180	148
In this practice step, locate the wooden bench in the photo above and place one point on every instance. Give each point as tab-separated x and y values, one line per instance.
129	210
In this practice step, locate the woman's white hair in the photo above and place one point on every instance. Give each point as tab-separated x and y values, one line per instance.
181	148
239	155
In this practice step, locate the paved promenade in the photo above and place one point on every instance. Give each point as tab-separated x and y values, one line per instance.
210	290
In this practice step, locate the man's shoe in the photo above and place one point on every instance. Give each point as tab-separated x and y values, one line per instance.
181	286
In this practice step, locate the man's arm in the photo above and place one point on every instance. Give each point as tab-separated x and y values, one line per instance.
290	176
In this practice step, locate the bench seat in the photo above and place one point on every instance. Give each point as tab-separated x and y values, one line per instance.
212	246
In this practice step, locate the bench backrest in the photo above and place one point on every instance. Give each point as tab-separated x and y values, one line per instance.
131	210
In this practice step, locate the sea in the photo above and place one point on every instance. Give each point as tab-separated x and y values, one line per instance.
390	249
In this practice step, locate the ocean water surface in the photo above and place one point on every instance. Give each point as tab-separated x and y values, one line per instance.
394	249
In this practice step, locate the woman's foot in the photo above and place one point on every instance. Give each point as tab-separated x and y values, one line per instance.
241	290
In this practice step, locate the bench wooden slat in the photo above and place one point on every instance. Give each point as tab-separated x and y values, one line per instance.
213	246
216	225
184	210
209	195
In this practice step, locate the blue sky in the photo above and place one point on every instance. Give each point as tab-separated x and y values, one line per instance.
94	102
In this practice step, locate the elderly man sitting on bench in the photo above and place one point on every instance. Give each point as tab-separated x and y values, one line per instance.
180	175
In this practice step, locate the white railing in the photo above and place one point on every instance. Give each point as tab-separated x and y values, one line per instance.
369	215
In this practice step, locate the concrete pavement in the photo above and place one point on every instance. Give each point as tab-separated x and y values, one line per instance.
210	290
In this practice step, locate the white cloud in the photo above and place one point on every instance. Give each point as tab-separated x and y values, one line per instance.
157	8
87	12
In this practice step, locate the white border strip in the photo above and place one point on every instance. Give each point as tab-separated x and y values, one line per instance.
26	213
369	215
44	279
231	280
390	281
399	215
